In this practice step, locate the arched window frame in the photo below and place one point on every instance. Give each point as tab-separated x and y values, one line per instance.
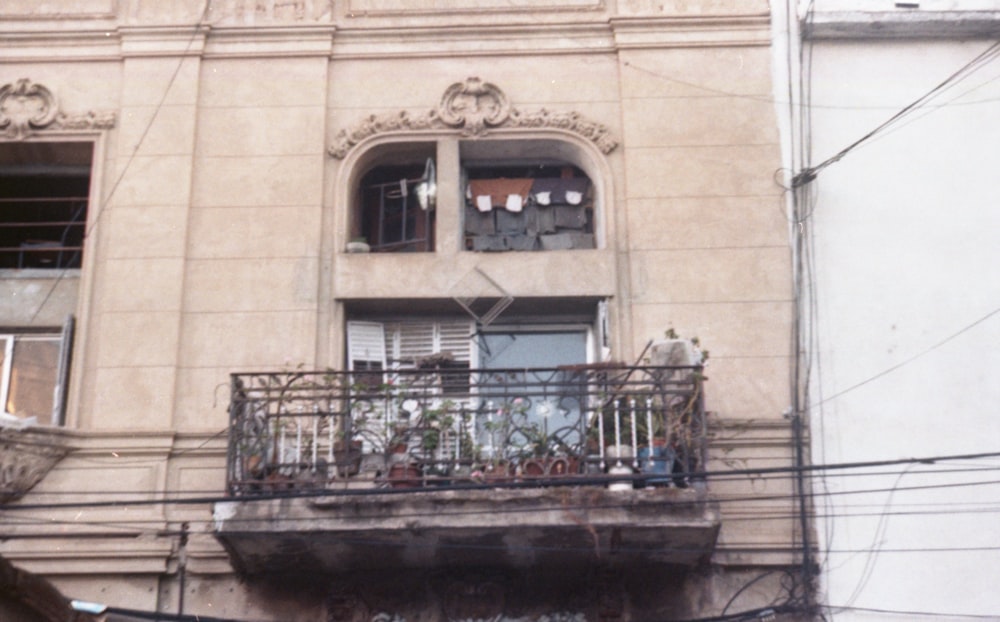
477	118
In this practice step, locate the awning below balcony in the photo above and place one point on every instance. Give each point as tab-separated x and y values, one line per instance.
507	528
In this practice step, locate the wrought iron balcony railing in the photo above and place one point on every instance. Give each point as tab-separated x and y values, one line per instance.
451	426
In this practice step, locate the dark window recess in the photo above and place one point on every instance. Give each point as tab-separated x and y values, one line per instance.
368	374
528	208
43	204
398	208
454	374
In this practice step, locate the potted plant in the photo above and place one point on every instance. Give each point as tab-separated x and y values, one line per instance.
347	455
358	245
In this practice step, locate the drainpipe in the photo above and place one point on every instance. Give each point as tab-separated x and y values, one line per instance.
182	567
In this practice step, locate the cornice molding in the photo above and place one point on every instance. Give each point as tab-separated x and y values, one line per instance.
465	40
902	25
27	107
409	8
694	31
270	41
358	38
137	41
472	108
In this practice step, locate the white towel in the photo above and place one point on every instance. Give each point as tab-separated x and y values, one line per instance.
484	203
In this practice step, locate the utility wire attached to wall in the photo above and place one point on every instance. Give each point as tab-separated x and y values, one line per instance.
809	174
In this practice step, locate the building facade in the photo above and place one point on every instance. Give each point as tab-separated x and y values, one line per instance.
320	310
899	304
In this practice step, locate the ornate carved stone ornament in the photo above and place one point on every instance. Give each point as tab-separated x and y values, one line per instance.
26	456
26	107
473	107
255	12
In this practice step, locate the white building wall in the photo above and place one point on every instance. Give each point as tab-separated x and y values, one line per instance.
904	314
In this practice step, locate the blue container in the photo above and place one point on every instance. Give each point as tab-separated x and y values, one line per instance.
662	464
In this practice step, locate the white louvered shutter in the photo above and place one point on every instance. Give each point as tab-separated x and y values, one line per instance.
456	337
365	346
414	340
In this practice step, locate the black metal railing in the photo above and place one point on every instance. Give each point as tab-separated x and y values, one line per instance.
588	424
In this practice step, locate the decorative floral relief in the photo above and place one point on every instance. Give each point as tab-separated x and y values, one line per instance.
26	107
25	458
270	11
473	107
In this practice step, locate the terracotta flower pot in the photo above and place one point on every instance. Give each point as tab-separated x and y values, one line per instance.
403	475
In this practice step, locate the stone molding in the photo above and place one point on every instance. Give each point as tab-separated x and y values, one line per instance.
26	107
473	108
251	12
902	24
26	456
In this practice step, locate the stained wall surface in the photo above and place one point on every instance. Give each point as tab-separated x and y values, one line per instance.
219	219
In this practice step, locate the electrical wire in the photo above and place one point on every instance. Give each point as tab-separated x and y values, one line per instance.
747	586
746	512
726	476
720	500
912	358
988	55
877	540
712	92
926	614
156	528
103	205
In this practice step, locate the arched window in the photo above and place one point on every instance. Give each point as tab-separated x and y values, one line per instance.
395	200
526	194
513	180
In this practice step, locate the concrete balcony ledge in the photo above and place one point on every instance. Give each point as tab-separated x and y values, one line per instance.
503	528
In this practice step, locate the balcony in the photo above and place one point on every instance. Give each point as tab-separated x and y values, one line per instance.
426	467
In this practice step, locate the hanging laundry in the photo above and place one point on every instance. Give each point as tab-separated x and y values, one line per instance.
555	191
500	191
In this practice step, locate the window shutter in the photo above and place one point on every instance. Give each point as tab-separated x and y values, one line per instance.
62	375
456	337
416	340
6	360
365	346
601	332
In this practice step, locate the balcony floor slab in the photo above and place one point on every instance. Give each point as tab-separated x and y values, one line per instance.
503	528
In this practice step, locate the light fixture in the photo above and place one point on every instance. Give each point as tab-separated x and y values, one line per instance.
427	188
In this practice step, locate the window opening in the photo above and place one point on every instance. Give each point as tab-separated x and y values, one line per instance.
442	347
33	375
398	207
528	206
44	190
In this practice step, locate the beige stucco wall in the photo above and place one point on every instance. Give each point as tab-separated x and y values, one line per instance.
220	218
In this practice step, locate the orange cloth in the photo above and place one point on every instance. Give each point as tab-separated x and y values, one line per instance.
499	189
